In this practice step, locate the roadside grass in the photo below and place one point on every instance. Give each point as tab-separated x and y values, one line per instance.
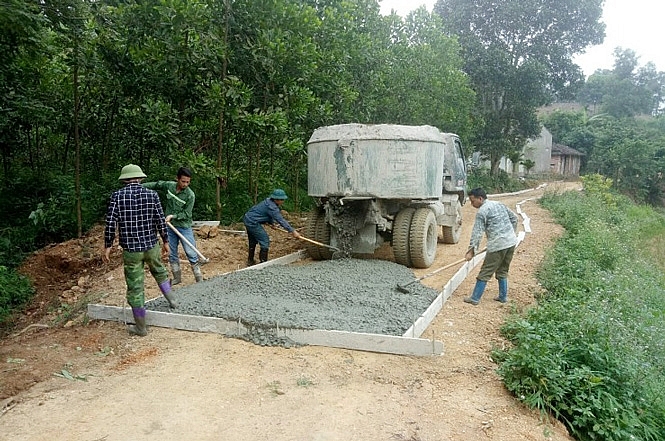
592	352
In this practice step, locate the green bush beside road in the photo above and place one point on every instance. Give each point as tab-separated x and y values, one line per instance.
592	352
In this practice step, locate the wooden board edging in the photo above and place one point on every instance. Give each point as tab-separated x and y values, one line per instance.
426	318
389	344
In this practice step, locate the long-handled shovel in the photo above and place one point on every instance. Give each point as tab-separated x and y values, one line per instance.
204	259
337	253
405	290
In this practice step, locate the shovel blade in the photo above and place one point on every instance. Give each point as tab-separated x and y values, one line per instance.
403	288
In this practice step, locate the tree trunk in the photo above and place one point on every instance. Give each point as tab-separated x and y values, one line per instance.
107	135
220	134
220	154
257	170
77	143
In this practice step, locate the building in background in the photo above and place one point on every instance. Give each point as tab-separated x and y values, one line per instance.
545	156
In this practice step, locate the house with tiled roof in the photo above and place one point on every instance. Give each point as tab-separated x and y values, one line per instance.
565	161
549	158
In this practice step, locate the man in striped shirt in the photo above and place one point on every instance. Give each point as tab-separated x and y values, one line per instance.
499	223
136	213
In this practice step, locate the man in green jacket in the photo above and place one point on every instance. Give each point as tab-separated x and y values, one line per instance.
178	209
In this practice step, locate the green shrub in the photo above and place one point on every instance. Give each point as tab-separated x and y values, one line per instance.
15	243
591	353
15	292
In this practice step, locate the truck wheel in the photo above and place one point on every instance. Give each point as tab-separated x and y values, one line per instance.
423	238
401	228
453	234
318	229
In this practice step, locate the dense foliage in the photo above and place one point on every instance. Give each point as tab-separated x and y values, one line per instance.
518	55
231	88
15	291
592	353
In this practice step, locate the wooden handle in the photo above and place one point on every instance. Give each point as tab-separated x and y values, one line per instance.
186	242
319	243
457	262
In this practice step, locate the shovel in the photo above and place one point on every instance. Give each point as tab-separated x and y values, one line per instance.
321	244
405	290
204	259
337	253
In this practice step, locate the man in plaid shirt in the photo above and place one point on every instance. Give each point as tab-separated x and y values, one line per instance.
136	213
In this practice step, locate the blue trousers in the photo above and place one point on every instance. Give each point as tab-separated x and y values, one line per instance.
174	240
256	234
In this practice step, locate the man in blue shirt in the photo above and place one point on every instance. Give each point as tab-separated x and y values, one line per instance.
136	213
499	223
265	212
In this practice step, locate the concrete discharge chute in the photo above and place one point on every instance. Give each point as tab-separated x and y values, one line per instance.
385	183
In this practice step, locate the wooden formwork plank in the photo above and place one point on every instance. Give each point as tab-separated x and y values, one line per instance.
526	221
426	318
284	260
169	320
391	344
199	224
388	344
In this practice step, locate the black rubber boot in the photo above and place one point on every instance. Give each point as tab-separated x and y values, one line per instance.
139	328
263	255
250	257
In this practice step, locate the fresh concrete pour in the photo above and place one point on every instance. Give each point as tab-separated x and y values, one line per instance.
353	295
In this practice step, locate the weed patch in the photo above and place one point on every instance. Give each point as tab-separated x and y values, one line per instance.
591	353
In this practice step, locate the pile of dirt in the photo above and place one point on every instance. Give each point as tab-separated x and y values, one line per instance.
69	275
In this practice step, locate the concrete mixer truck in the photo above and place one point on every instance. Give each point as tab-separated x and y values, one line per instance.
373	184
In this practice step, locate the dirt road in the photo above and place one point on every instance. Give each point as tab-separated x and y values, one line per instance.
175	385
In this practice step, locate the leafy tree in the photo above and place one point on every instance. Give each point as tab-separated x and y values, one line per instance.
518	55
23	44
626	90
628	150
575	129
423	79
89	86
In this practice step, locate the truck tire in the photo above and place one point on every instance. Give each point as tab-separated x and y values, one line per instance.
319	230
401	229
423	238
453	234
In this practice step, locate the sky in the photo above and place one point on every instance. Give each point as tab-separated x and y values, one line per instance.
630	24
